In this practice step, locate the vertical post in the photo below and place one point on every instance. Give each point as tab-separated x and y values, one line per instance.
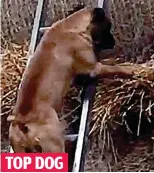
82	142
34	36
105	6
100	3
35	29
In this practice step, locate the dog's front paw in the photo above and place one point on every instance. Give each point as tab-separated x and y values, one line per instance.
128	71
97	70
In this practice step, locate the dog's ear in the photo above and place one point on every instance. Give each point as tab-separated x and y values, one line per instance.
99	22
23	127
100	31
11	118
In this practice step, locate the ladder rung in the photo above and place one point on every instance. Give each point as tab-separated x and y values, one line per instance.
43	29
71	137
11	149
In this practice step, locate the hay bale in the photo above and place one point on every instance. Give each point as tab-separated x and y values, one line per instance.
133	27
122	121
133	21
18	16
13	62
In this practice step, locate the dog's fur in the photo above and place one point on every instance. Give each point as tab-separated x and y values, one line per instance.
68	48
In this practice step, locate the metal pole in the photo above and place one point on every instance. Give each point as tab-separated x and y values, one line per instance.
82	141
33	38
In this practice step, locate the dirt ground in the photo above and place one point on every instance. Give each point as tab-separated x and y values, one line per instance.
131	156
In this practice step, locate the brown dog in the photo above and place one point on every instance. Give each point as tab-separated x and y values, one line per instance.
68	48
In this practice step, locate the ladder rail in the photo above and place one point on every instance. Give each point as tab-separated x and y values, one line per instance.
35	29
79	157
33	39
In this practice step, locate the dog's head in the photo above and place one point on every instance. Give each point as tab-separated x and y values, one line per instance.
36	136
100	30
94	24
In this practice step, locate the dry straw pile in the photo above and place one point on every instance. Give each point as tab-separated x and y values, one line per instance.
116	99
122	123
13	64
14	61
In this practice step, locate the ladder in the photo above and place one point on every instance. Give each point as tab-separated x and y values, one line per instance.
89	91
